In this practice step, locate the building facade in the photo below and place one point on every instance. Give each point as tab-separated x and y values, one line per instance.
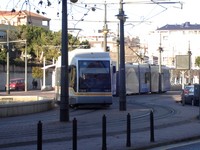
176	40
23	17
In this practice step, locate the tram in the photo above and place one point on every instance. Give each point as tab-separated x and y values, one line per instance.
89	77
144	78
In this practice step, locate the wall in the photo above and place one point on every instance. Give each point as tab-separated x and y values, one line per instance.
19	72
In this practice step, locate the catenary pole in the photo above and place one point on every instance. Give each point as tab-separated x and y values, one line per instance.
122	81
64	99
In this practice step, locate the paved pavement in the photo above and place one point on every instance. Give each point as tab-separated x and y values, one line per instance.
172	123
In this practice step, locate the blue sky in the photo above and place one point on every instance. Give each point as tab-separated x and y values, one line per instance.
141	17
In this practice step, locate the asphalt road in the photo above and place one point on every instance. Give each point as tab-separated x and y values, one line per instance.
167	113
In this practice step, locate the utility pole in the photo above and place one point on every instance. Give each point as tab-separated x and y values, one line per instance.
118	47
160	49
64	99
189	55
8	64
105	28
122	85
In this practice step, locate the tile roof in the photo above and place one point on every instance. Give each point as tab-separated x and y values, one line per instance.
184	26
27	13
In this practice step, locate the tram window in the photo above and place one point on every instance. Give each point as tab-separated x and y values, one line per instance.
72	77
94	76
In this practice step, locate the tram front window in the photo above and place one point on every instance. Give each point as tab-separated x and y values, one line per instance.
94	76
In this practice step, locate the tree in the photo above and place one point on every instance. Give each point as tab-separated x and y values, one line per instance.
85	44
197	61
37	73
40	42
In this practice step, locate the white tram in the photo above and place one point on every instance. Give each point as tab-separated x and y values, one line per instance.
89	77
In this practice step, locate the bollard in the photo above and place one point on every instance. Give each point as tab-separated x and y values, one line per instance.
104	133
74	134
128	131
39	136
151	127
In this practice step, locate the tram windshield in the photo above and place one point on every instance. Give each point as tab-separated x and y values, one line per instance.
94	76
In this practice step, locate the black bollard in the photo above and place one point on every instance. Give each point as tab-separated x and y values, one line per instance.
74	134
128	131
104	133
39	136
151	127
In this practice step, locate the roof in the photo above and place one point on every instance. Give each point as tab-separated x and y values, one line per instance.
92	53
184	26
23	12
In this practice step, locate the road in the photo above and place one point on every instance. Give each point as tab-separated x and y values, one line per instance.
166	114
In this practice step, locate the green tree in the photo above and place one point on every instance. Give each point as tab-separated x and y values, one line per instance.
197	61
85	44
40	42
37	73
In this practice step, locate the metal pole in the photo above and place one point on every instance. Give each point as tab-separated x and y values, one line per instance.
74	134
118	47
128	130
8	65
105	29
189	54
44	73
151	127
39	135
160	66
26	82
122	90
64	99
104	144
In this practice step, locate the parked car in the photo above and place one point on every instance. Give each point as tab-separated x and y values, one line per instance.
187	94
17	84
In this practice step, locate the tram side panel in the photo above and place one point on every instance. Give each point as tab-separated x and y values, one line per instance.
144	78
154	79
165	79
132	81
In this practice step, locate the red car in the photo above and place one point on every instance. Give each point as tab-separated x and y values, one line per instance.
17	84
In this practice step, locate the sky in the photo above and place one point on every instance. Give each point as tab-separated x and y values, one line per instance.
89	15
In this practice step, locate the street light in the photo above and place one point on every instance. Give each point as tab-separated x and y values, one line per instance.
122	87
8	62
105	29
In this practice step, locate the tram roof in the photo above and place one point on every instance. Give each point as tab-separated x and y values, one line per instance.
92	53
87	53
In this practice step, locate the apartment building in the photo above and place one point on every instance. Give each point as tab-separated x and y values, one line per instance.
24	17
9	19
177	39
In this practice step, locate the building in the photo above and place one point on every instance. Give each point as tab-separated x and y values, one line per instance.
177	39
24	17
10	19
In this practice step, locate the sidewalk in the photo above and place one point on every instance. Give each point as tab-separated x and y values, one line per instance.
177	124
